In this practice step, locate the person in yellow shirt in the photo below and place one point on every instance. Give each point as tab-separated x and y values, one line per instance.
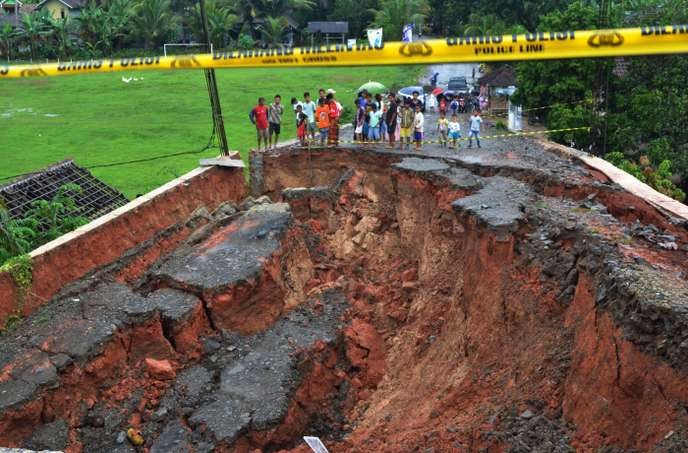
406	118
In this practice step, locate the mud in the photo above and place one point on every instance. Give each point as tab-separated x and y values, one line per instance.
485	300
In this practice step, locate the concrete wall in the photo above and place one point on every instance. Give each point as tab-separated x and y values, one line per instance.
103	241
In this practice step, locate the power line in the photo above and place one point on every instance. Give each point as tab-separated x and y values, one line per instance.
208	146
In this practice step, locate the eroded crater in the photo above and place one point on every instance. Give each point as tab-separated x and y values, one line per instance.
384	302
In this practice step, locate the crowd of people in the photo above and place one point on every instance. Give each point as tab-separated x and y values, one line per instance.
378	119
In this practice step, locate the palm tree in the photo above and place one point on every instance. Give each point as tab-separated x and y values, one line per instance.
484	25
7	37
154	21
221	20
118	20
62	31
273	29
91	22
393	14
35	27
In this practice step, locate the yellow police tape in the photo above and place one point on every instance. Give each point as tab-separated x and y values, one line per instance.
650	40
439	142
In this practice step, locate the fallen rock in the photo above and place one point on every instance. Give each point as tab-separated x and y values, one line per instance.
160	369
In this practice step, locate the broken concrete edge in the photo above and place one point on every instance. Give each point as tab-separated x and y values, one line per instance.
629	183
232	160
70	257
131	206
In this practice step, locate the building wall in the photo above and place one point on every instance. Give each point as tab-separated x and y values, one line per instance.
55	7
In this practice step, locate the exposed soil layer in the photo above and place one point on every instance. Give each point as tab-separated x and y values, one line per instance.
386	302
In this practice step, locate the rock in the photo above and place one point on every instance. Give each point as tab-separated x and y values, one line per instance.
173	439
14	392
225	210
160	369
668	245
210	345
527	414
224	418
51	436
121	437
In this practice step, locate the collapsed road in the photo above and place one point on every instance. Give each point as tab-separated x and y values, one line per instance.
507	299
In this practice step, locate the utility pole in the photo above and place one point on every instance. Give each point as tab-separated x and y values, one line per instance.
603	74
213	94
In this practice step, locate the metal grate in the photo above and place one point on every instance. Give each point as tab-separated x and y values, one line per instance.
96	200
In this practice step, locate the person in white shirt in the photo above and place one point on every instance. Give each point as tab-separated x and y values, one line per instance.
308	107
418	121
454	131
474	128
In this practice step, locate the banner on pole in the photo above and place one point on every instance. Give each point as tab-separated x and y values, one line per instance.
375	37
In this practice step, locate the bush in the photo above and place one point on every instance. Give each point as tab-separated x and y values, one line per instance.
45	221
659	178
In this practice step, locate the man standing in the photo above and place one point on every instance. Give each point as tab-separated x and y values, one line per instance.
275	119
474	128
308	107
259	117
391	120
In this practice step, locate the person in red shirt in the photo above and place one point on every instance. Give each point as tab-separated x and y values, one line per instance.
259	117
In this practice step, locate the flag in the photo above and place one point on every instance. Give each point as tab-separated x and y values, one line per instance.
407	33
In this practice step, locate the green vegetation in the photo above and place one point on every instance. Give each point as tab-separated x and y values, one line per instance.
20	269
645	127
98	119
45	221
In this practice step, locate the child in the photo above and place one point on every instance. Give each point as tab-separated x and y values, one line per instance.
405	124
454	106
474	128
442	128
374	124
301	125
443	104
309	107
418	121
454	131
322	115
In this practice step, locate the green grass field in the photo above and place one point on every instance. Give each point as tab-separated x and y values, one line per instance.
98	119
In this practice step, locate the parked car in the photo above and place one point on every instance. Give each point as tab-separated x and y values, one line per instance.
407	92
458	85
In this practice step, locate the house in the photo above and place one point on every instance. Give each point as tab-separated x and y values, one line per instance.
60	9
498	85
97	198
12	10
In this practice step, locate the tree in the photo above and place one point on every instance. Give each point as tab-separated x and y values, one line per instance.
154	22
393	14
7	39
221	20
359	13
35	26
566	84
273	29
62	33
